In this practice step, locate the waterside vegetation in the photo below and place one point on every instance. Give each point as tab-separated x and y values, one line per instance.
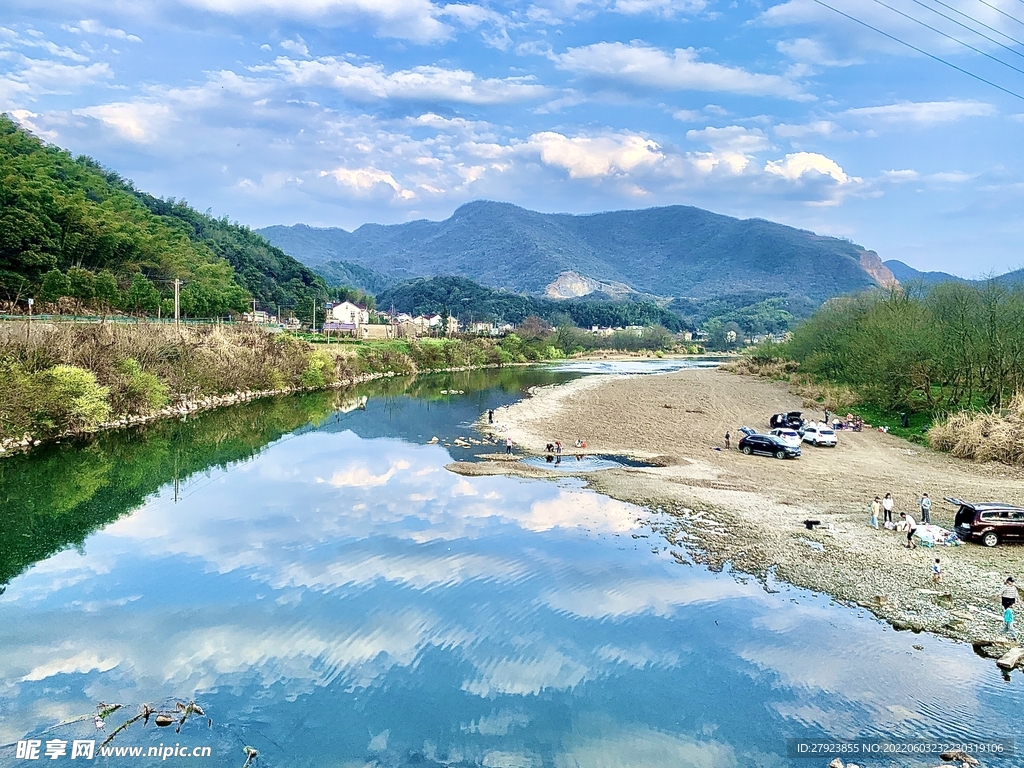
939	363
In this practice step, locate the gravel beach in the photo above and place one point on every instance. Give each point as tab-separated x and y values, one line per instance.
748	511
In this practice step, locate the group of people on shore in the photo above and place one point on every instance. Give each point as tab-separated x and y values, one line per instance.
884	507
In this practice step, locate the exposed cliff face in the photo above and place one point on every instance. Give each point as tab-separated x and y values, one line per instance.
572	285
871	263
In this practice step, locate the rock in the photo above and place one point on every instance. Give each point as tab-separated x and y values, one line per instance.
837	763
164	720
432	441
959	756
990	649
1010	659
944	601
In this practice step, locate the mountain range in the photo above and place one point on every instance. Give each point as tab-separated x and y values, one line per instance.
907	274
657	253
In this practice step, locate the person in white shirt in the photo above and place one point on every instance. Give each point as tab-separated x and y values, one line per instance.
911	527
887	505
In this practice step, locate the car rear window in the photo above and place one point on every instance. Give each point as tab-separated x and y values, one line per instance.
826	432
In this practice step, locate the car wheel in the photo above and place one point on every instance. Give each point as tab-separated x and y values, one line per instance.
780	454
990	539
746	450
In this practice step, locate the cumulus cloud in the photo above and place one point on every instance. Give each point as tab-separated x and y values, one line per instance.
31	78
414	20
641	66
797	166
924	113
593	157
371	82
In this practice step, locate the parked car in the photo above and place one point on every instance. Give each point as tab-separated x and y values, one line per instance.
768	445
791	420
788	436
819	434
989	522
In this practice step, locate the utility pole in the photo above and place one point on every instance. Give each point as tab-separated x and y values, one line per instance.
177	302
313	318
28	328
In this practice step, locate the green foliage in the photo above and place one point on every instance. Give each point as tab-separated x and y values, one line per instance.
70	398
142	296
944	347
69	214
319	371
140	391
55	285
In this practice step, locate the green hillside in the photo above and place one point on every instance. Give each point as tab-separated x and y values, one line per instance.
72	230
671	252
469	301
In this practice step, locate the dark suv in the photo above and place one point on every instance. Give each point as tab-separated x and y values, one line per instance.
989	523
791	420
768	445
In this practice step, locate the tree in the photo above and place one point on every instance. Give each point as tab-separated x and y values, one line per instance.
142	296
107	292
83	284
533	327
55	286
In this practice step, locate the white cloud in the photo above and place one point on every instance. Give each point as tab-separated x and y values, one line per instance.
813	128
141	121
665	8
901	176
363	181
368	82
924	112
734	138
798	165
643	66
688	115
587	158
31	78
414	20
296	46
93	27
810	51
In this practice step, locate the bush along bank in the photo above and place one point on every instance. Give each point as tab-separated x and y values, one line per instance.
67	379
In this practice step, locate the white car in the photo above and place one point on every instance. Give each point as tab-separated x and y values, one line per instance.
788	436
819	434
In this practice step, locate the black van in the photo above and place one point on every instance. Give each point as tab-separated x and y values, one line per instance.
989	522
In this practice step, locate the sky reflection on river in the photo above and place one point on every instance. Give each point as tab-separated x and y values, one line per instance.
344	600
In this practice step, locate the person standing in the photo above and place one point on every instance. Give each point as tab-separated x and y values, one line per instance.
926	508
728	437
490	416
876	508
936	571
1008	594
508	446
887	505
1008	623
911	527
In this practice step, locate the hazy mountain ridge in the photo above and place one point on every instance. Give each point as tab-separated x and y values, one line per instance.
907	274
675	251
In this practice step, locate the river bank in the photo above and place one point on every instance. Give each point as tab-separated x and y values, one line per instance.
748	512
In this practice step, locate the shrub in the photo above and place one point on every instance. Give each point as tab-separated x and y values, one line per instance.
319	372
71	399
140	391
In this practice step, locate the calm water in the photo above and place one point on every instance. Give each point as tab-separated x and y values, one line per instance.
308	571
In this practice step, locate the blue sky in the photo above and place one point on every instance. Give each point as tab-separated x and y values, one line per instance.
341	112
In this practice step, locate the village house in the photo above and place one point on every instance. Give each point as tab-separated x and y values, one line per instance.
346	316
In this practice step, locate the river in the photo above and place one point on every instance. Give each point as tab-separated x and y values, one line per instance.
307	570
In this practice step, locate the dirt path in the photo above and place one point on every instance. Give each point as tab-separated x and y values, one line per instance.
756	505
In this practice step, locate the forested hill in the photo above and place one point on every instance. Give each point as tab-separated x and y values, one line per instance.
70	228
468	301
907	274
677	251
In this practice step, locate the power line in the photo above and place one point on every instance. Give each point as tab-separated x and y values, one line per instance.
1014	40
1000	10
919	50
950	37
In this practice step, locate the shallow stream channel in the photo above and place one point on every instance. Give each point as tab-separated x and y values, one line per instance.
307	572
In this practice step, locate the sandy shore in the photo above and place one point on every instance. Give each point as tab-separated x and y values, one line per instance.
748	511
